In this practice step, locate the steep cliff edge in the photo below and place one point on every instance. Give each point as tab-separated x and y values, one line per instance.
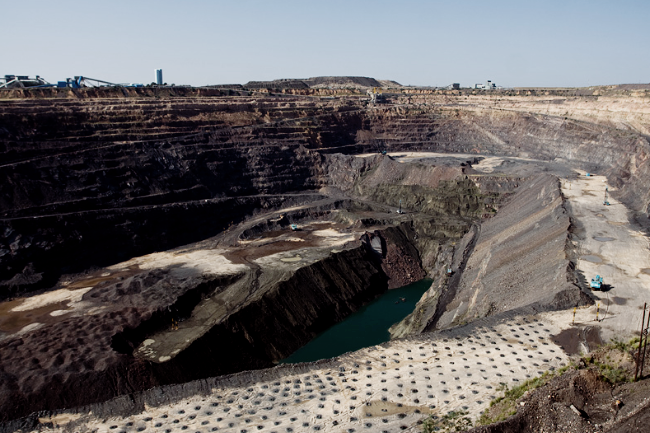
145	327
516	259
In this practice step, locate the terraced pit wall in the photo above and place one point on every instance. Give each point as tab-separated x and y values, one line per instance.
520	258
126	162
105	154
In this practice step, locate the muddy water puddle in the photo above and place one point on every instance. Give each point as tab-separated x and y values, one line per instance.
604	238
570	339
250	253
377	408
293	259
303	230
14	321
277	241
275	234
591	258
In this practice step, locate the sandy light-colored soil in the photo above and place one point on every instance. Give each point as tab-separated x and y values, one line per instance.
381	388
612	246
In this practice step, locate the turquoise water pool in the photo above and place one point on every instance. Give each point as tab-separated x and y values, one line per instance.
367	327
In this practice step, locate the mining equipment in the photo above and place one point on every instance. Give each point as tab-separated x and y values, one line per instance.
400	211
294	227
606	202
596	283
21	81
375	96
78	82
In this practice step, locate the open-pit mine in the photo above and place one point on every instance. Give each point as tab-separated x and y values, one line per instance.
164	251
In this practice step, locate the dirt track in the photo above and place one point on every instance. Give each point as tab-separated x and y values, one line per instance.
612	246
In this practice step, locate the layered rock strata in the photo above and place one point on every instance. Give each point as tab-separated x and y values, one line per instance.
88	182
61	157
516	259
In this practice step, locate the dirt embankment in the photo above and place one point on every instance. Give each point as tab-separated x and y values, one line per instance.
594	395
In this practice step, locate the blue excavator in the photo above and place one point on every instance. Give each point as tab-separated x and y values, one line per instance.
596	283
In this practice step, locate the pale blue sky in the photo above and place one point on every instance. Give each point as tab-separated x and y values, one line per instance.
198	42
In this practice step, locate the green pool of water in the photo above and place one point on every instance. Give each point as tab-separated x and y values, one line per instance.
367	327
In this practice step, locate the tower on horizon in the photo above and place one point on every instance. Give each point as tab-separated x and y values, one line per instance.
159	79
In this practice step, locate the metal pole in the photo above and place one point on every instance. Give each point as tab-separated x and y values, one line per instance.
645	343
638	356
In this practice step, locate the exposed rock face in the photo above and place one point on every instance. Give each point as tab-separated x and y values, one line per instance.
259	326
112	197
400	259
450	256
104	156
90	182
517	259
